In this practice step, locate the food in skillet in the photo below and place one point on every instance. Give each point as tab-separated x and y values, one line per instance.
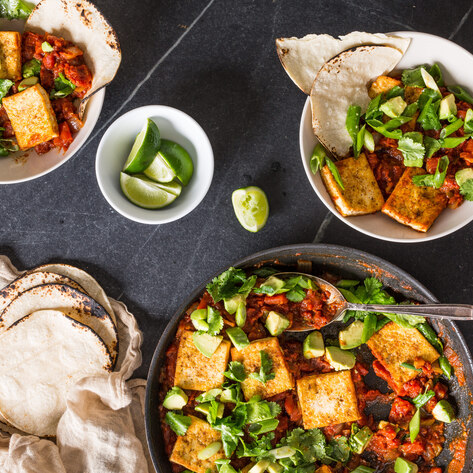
240	393
46	79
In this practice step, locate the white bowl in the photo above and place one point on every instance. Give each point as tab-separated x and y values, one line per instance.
457	66
174	125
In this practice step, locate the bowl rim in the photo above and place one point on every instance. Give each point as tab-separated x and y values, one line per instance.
422	237
98	97
148	110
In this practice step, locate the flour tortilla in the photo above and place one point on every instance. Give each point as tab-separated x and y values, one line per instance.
79	21
302	58
76	304
91	286
29	280
344	81
42	356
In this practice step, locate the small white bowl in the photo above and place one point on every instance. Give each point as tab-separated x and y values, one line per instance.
457	66
174	125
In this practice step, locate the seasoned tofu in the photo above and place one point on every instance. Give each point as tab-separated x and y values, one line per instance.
198	436
251	359
327	398
393	345
197	372
382	84
362	194
412	94
10	55
415	206
32	117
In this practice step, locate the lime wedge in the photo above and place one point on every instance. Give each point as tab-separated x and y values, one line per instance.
142	191
144	149
178	159
159	171
251	207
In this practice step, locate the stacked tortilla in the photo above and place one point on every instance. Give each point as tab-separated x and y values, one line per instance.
56	327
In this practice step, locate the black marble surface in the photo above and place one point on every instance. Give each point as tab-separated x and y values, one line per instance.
217	62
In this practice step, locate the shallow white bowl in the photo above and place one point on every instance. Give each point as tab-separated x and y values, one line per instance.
174	125
457	66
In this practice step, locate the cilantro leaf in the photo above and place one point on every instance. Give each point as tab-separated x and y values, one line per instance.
227	284
266	370
311	445
431	146
236	372
262	410
296	295
257	449
412	149
466	189
223	466
262	427
396	91
413	77
436	73
405	320
422	399
62	87
433	180
178	422
31	68
215	321
265	271
426	95
428	118
5	86
15	9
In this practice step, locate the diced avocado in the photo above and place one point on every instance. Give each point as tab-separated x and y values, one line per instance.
238	337
351	336
204	407
176	398
360	439
274	282
274	468
429	81
206	344
313	346
393	107
282	452
199	319
405	466
240	316
463	175
228	395
209	395
340	359
260	467
382	424
209	451
276	323
443	411
448	107
231	305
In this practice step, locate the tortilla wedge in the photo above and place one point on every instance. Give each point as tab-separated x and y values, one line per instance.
344	81
302	58
79	21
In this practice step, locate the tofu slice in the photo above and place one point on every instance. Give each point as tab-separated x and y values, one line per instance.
362	194
198	436
31	116
393	345
251	359
10	55
197	372
415	206
382	84
327	399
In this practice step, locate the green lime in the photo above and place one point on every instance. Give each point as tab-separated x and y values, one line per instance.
144	149
178	160
148	194
159	171
251	207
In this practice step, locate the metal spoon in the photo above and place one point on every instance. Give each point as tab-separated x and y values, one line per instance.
439	311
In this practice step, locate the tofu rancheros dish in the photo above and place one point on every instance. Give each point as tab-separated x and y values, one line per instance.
401	141
239	392
45	78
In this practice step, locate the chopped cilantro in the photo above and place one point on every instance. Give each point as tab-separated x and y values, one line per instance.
215	321
266	370
466	189
412	149
179	423
62	87
433	180
227	284
15	9
428	118
431	146
236	371
396	91
5	86
422	399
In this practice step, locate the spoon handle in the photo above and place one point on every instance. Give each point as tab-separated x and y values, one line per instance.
439	311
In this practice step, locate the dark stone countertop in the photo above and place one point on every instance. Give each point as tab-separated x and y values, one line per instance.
217	62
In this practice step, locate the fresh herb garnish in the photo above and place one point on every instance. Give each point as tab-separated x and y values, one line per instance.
215	321
62	87
236	371
414	426
335	173
31	68
396	91
412	149
373	112
422	399
352	124
5	86
15	9
436	73
451	128
410	366
466	189
428	117
426	95
266	370
413	77
445	366
460	93
227	284
434	180
179	423
317	160
431	146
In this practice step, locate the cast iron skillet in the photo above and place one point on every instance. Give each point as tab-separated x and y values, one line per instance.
348	263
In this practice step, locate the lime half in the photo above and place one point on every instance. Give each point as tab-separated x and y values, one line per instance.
144	149
142	191
251	207
178	159
159	171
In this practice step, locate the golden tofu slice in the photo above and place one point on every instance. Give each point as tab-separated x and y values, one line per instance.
382	84
327	399
415	206
198	436
251	359
197	372
10	55
393	345
32	117
362	194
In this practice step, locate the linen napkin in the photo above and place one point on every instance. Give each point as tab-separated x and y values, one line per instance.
102	430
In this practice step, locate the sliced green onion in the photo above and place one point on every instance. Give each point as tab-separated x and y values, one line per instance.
414	426
209	451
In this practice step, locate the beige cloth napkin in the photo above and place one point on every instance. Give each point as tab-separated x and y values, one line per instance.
102	430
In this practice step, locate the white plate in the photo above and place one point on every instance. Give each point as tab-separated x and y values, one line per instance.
457	66
27	165
174	125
